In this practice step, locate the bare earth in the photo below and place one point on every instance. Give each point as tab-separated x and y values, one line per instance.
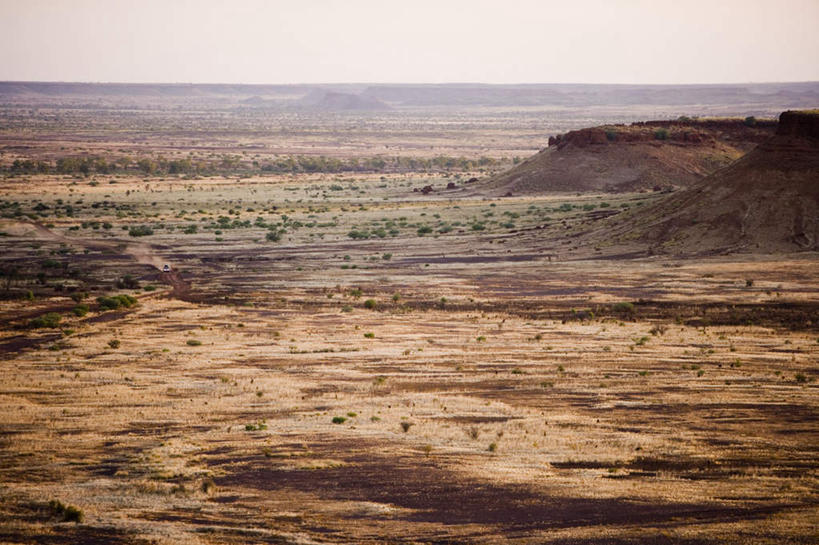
386	354
501	396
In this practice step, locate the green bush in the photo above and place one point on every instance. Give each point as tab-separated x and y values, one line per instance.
370	304
661	134
194	342
50	320
623	308
116	301
140	231
750	121
80	310
127	282
339	420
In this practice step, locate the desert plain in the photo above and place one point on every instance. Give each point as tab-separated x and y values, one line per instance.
343	357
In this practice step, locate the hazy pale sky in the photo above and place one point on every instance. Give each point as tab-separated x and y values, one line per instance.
502	41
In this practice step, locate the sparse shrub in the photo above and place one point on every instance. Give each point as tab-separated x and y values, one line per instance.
623	308
80	310
140	231
127	282
749	282
493	447
750	121
661	134
370	304
474	432
369	335
208	486
406	426
258	426
67	513
116	301
339	420
801	378
114	343
611	136
48	320
194	342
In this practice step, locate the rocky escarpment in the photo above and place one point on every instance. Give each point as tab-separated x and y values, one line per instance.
670	132
643	156
768	201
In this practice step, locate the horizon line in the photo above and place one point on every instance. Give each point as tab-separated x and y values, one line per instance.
294	84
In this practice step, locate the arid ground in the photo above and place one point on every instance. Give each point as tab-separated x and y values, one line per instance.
343	358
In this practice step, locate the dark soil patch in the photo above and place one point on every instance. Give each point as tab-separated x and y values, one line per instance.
438	496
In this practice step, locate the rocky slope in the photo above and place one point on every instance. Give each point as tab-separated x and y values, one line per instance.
768	201
642	156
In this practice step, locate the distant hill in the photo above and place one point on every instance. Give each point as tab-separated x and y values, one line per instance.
336	101
740	98
652	155
768	201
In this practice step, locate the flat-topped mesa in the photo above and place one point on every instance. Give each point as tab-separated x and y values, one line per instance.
646	156
800	124
678	132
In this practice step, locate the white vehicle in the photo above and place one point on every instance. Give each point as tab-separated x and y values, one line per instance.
166	268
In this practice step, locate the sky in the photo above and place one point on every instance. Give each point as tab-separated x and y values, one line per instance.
410	41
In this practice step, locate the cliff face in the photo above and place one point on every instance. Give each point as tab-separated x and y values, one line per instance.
799	124
652	155
768	201
707	131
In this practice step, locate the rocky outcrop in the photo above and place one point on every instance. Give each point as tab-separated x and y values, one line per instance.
635	157
677	132
799	124
768	201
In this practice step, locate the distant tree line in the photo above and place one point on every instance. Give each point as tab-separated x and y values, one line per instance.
236	165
